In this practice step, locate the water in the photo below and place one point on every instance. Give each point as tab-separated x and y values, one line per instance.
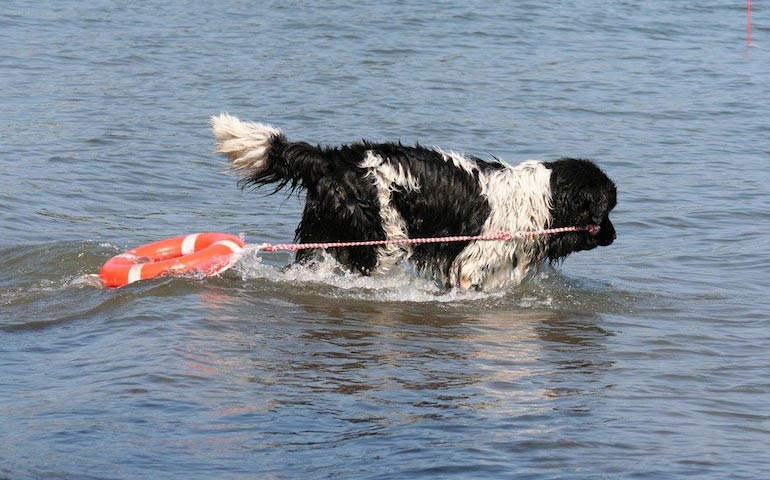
647	359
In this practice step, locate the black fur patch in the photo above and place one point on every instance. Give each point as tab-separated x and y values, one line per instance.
342	204
449	202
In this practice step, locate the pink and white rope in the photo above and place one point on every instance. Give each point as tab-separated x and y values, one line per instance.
505	236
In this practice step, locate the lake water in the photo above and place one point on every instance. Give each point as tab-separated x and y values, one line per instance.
647	359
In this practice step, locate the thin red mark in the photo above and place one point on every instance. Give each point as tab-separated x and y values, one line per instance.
748	23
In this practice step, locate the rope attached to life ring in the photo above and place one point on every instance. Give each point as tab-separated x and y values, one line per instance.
293	247
212	253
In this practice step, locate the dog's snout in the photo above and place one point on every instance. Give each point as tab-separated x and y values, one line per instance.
607	234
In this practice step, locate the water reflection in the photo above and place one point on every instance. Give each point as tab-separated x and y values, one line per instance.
405	357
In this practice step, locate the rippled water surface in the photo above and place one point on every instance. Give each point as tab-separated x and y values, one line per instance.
647	359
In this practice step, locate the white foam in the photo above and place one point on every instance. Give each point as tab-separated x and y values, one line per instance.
400	284
84	280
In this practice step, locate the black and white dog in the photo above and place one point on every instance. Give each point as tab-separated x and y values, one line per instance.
376	191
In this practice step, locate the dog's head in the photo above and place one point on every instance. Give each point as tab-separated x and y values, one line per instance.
581	195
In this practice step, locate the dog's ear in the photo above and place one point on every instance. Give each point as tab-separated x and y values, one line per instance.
605	197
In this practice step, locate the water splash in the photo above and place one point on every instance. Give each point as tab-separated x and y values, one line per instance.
402	284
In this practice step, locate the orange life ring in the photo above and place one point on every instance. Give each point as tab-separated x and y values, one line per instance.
207	253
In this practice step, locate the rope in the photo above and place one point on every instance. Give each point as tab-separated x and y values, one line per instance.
505	236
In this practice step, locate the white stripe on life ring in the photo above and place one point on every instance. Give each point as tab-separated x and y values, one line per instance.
188	244
234	247
135	274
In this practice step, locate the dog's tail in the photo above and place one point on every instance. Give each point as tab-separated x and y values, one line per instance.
261	155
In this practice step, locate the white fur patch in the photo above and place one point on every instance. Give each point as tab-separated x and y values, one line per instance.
520	200
246	144
387	178
459	160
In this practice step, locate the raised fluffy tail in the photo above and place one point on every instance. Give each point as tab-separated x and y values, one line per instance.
260	154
